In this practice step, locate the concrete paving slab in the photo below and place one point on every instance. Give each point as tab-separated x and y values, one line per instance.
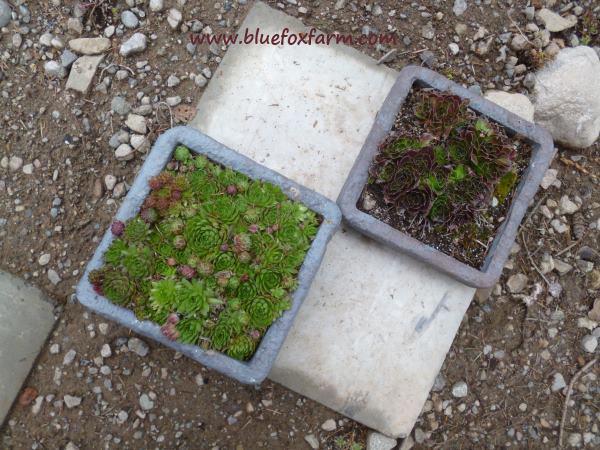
26	319
376	326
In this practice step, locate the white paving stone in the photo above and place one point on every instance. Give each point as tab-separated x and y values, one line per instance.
376	326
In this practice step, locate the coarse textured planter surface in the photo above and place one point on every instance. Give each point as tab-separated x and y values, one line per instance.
542	153
256	369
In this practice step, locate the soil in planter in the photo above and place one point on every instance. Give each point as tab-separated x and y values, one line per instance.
445	175
212	257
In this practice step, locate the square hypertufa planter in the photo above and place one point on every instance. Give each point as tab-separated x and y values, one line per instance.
256	369
497	254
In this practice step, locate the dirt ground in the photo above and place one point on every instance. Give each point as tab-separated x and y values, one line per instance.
508	349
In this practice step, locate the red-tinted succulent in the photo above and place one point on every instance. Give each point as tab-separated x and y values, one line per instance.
117	228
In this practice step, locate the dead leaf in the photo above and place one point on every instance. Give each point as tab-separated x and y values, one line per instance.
184	113
27	396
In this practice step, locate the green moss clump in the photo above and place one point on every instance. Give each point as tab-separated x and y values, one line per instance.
212	257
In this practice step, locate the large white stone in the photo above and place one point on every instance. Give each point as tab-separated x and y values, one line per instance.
515	103
82	73
89	46
554	22
376	326
567	97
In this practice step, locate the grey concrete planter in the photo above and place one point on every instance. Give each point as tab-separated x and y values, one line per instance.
543	151
255	370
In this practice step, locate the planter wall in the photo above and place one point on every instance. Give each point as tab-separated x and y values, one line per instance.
255	370
542	153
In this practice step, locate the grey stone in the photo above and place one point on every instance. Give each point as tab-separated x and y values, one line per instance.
135	44
124	152
312	440
129	19
69	357
5	13
558	382
173	81
519	42
74	25
89	46
105	351
136	123
72	401
589	343
554	22
460	389
138	346
82	73
27	319
15	163
157	5
517	283
562	267
459	7
54	69
378	441
67	58
44	259
567	97
146	403
120	105
567	206
329	425
174	18
53	277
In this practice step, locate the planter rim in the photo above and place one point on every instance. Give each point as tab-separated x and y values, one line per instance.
256	369
498	252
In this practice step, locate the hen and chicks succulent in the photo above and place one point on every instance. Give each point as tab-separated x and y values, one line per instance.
212	257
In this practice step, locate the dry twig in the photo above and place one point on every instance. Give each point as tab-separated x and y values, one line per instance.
568	162
569	392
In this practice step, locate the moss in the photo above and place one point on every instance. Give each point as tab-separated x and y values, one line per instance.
239	241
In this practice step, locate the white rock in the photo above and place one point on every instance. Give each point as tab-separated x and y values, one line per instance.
567	97
44	259
562	267
173	81
82	73
460	6
174	18
37	405
454	48
135	44
54	69
329	425
54	349
105	351
129	19
558	382
559	226
136	123
378	441
199	379
200	81
53	277
69	357
72	401
15	163
589	343
515	103
460	389
517	282
28	169
110	181
312	440
71	446
46	39
157	5
138	141
567	206
109	31
122	417
124	152
549	178
173	101
518	42
138	346
89	46
146	403
554	22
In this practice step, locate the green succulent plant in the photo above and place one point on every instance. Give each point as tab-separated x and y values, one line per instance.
118	287
136	231
211	257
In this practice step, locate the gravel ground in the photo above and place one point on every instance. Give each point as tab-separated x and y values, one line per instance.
64	170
